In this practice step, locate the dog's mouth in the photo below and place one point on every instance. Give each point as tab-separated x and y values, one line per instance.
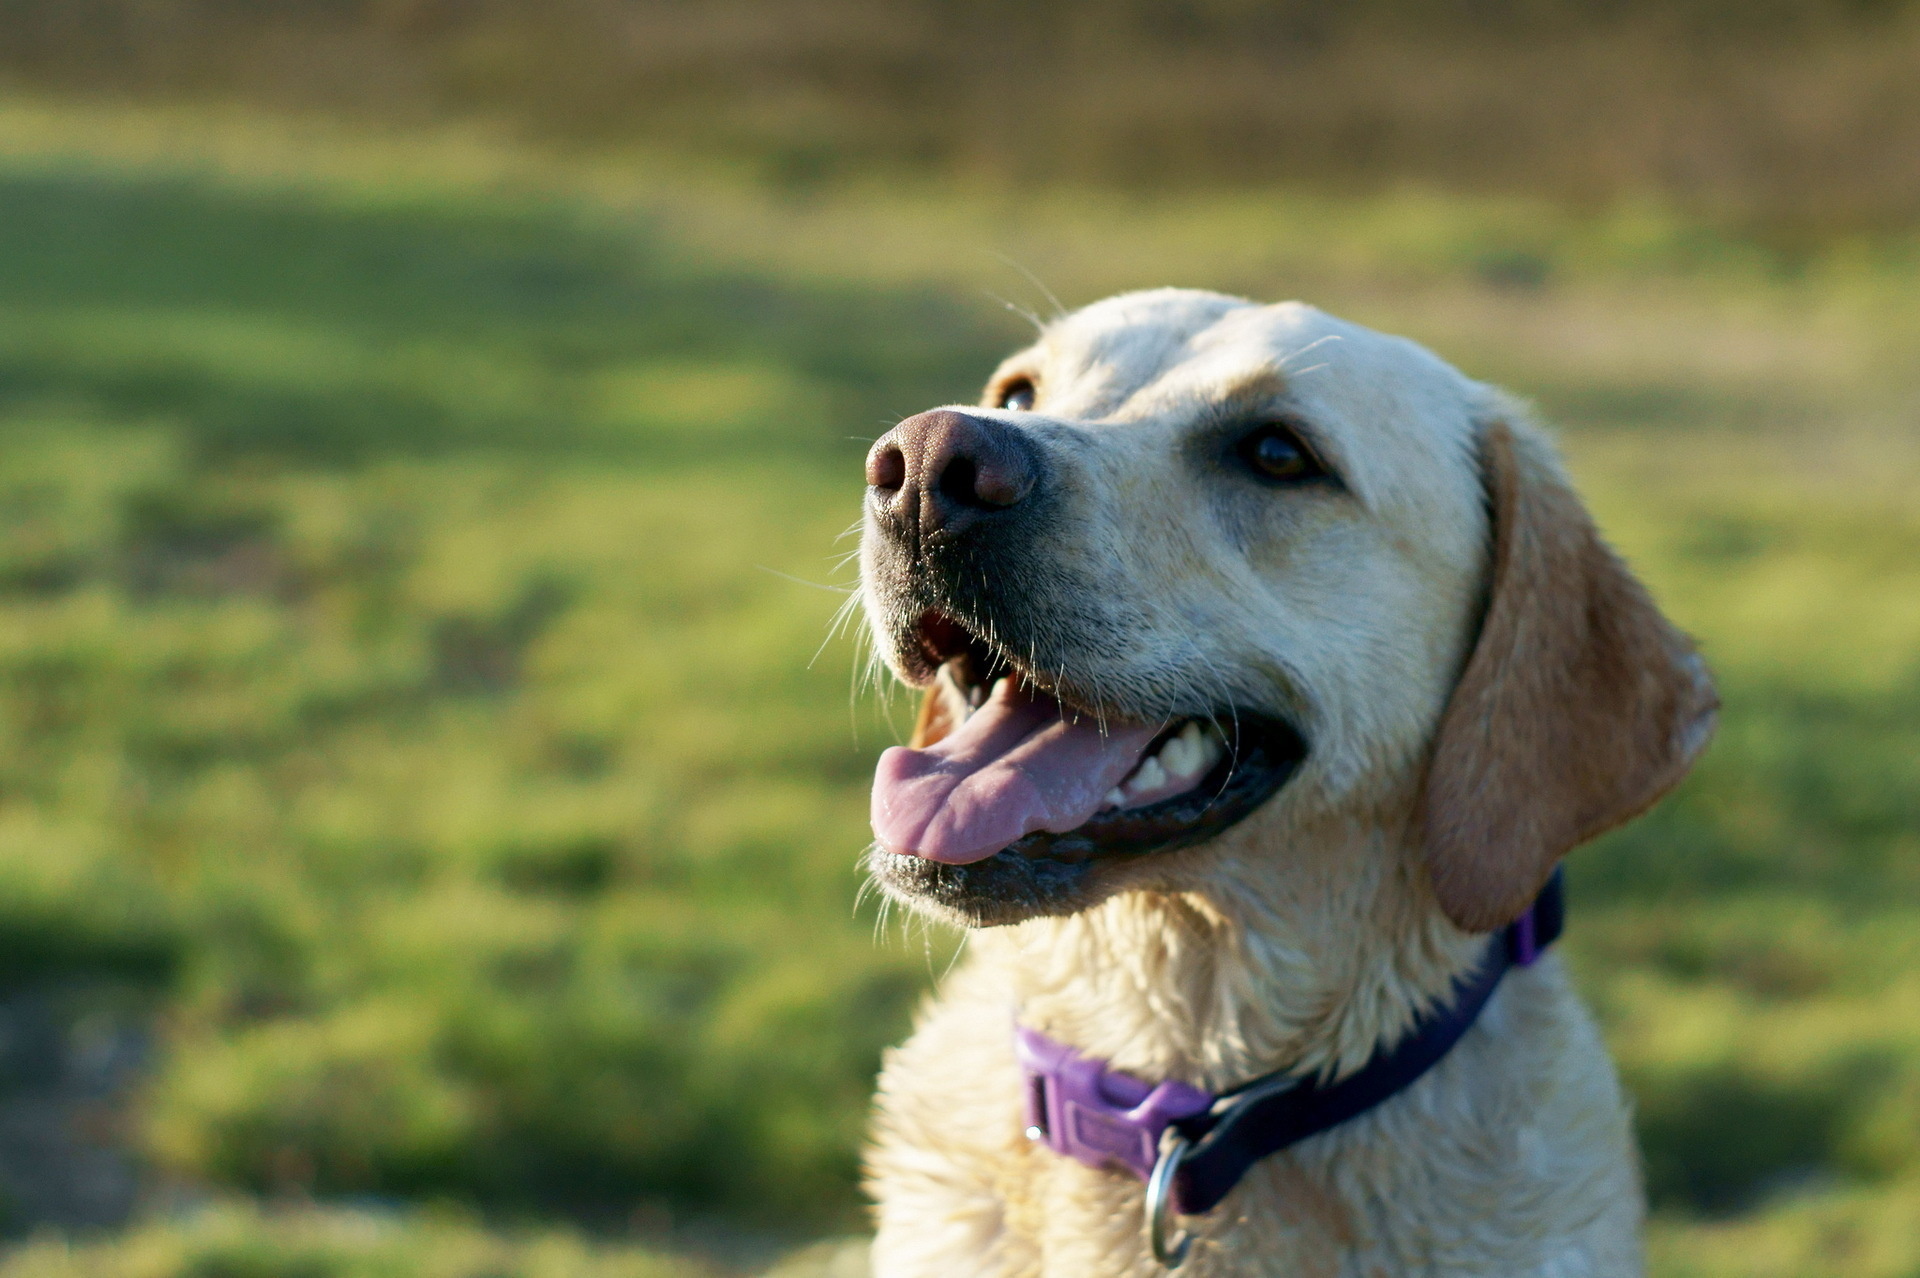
1027	769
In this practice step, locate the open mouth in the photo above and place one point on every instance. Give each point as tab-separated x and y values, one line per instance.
1025	770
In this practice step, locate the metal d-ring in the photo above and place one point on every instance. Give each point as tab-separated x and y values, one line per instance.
1170	1252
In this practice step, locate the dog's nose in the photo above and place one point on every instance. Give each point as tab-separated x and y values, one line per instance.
946	469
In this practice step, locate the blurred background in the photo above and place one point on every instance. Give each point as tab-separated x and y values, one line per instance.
430	791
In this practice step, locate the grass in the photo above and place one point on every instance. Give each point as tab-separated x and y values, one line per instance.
239	1241
1798	114
403	658
406	708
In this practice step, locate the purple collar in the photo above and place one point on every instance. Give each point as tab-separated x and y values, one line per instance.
1081	1108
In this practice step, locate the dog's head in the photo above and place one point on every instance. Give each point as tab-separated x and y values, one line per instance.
1198	565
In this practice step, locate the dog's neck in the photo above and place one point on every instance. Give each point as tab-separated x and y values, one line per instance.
1300	954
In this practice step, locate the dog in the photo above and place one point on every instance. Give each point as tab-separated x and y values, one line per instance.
1270	666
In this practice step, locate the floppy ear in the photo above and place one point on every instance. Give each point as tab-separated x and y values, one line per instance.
1580	706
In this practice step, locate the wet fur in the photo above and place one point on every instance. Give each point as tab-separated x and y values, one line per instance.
1482	685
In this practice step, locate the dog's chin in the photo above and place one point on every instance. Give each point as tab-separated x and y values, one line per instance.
1048	874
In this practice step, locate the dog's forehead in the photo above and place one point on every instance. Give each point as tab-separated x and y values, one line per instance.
1135	336
1379	403
1138	352
1101	356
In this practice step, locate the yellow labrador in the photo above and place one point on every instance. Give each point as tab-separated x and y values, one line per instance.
1272	665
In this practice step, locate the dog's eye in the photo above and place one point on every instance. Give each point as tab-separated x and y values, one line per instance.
1017	395
1274	452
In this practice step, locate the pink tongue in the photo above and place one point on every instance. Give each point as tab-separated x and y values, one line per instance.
1015	766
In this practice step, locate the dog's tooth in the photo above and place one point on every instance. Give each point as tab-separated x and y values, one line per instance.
1191	753
1116	798
1208	750
1149	776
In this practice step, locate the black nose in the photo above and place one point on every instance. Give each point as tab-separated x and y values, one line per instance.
946	469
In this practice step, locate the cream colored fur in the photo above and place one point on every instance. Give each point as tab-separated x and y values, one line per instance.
1309	934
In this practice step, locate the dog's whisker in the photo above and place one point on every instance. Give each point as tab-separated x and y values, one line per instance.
837	624
1310	346
1059	311
802	581
882	919
868	884
953	959
1039	325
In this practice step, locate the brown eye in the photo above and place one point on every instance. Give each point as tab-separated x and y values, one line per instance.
1017	395
1275	453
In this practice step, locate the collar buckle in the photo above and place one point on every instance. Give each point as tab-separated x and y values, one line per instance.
1095	1115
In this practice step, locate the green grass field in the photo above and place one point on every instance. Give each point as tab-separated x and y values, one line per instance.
417	707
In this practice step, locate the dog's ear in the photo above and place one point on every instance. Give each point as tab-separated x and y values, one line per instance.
1580	706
